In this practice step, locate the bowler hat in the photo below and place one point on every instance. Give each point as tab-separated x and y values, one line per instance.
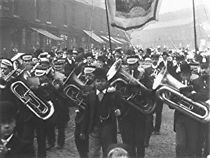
185	67
165	53
205	62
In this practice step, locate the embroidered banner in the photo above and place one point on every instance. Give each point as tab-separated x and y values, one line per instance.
131	14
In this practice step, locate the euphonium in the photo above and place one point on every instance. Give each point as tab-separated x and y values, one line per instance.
28	98
143	101
73	89
165	84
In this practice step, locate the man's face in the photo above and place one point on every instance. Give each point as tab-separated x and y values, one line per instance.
28	65
205	71
89	60
133	66
99	64
34	82
165	57
100	84
7	127
43	79
59	55
89	76
5	71
117	56
185	76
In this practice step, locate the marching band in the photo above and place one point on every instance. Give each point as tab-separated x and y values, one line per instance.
112	92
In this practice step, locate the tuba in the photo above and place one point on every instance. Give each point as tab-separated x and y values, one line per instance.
141	98
166	86
28	98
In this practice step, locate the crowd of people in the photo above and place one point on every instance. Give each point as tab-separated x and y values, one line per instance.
38	89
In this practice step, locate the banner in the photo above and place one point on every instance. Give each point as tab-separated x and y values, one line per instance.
131	14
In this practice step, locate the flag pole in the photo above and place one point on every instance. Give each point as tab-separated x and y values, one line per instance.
107	18
194	23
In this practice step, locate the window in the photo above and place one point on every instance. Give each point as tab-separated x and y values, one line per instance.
72	14
37	9
49	12
65	15
5	5
15	8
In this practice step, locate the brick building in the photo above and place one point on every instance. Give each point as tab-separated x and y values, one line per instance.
30	24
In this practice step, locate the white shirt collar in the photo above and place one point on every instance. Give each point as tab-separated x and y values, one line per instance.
5	141
97	91
165	62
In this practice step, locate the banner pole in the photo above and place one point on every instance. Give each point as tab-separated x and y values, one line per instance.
194	26
107	18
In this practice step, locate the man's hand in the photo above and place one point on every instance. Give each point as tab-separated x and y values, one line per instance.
186	90
111	89
82	136
117	112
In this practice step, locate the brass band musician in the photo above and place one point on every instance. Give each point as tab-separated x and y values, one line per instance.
131	118
187	129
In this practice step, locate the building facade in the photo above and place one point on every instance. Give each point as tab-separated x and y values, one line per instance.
26	25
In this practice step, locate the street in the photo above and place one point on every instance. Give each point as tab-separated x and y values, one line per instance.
161	146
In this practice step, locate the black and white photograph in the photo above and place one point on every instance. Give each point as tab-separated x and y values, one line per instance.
104	78
129	6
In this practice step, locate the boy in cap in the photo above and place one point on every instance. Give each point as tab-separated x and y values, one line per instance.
11	145
100	115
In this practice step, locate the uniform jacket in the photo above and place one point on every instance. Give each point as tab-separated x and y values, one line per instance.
110	102
202	87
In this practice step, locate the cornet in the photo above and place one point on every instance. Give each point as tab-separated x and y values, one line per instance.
165	84
28	98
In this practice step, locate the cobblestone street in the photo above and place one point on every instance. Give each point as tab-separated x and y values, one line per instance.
161	146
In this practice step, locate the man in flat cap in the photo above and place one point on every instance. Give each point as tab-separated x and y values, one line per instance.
11	144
